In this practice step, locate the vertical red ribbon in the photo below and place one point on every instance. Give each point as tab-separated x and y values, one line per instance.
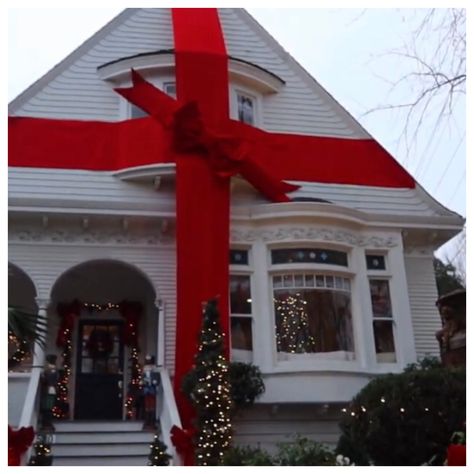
202	198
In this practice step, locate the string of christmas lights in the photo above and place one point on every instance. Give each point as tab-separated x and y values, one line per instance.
136	383
211	394
21	351
61	407
292	328
158	455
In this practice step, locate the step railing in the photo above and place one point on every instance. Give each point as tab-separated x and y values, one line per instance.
29	414
168	414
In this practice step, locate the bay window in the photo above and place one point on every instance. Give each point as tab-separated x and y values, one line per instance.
313	315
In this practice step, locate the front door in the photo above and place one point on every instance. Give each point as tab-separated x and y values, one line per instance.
99	371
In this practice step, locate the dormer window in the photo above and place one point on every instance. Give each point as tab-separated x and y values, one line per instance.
246	108
168	87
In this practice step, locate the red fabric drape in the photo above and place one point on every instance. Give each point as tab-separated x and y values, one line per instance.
18	442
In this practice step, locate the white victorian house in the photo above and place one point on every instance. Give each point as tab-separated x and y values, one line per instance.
326	292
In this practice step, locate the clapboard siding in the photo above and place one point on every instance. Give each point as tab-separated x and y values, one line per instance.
101	190
266	425
84	189
44	263
422	293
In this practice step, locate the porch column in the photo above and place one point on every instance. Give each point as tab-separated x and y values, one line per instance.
38	351
160	336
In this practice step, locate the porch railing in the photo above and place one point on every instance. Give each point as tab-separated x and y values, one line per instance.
168	414
29	414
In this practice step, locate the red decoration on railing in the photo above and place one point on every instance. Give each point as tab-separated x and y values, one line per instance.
182	440
18	442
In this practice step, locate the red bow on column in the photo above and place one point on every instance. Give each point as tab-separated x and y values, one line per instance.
182	440
18	442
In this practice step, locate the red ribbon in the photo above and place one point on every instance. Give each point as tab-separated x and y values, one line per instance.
456	455
182	440
18	442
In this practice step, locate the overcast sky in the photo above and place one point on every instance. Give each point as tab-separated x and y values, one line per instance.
345	50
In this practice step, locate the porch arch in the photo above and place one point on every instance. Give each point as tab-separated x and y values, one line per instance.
21	289
99	285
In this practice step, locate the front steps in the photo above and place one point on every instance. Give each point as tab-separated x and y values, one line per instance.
95	443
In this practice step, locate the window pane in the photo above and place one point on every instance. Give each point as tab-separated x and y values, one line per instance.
288	281
304	255
277	282
299	281
240	299
241	333
329	281
170	88
380	295
309	281
375	262
239	257
136	112
384	344
245	106
313	321
320	280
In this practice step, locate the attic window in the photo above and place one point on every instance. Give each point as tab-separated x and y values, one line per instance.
168	87
246	108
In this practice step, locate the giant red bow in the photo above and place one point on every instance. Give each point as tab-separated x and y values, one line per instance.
226	151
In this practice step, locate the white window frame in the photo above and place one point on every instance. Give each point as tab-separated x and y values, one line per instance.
309	361
240	355
237	90
385	275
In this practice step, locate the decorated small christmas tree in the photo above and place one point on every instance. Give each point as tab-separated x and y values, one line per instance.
211	394
293	326
42	456
158	455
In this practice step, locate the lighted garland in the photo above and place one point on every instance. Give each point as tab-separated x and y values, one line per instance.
135	385
21	351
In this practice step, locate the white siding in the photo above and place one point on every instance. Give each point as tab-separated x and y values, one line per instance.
267	425
45	187
101	190
44	263
423	294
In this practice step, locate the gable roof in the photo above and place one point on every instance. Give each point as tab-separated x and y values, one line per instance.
72	89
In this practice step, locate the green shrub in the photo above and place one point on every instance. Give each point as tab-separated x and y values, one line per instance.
405	419
304	452
247	456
